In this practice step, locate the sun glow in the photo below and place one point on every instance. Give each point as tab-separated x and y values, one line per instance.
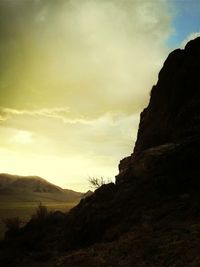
22	137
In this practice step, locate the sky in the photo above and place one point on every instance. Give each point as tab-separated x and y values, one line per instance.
74	77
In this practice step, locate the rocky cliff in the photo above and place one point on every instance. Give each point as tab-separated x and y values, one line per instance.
173	112
169	129
150	216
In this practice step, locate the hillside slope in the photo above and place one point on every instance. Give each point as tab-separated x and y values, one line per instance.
150	216
30	183
33	188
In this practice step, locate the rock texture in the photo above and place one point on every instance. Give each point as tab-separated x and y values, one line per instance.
150	217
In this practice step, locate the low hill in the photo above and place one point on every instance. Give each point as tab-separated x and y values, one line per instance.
33	188
21	195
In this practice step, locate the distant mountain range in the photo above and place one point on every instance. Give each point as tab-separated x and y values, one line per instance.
34	188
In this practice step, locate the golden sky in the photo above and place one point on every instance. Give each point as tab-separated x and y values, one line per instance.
74	76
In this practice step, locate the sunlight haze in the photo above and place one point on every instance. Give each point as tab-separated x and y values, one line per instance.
75	76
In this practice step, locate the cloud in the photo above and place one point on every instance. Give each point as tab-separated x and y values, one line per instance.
75	75
58	113
91	56
53	135
67	152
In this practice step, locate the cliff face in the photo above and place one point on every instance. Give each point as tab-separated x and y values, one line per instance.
172	118
173	112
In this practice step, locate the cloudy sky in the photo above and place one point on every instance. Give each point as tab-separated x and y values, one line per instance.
74	76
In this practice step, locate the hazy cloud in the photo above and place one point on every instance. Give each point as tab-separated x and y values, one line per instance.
92	56
74	76
58	113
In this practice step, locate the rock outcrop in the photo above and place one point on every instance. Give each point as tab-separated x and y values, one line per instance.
173	113
169	129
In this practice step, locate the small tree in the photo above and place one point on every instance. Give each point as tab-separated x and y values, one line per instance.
97	182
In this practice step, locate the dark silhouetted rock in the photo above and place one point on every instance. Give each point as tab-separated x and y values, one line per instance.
170	126
173	113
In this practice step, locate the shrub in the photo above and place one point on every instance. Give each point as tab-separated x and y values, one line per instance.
41	212
12	225
97	182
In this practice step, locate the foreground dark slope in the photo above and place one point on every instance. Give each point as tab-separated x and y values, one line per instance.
151	216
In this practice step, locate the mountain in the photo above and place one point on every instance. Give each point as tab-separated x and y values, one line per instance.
33	188
150	216
30	183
